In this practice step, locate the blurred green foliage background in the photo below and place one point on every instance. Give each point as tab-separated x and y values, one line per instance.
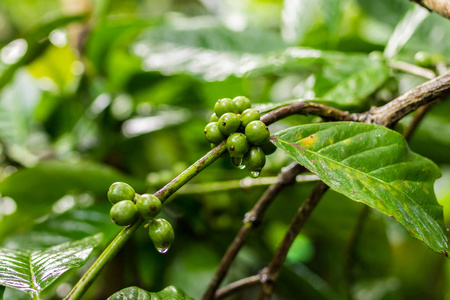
97	91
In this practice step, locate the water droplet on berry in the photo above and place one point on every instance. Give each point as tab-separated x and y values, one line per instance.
255	174
162	250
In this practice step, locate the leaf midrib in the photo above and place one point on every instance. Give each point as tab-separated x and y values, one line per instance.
33	281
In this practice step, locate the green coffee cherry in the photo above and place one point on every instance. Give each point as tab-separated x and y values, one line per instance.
237	144
148	206
257	132
423	59
119	191
213	118
268	148
162	234
242	103
225	105
249	115
213	134
254	159
123	213
228	123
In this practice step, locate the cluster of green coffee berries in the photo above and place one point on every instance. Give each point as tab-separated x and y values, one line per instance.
247	137
127	206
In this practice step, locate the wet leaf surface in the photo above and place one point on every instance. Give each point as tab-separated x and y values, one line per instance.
374	165
33	271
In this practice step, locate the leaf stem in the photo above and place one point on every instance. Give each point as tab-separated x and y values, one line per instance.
119	241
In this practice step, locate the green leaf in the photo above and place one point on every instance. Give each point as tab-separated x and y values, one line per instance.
50	181
352	90
374	165
54	179
72	225
33	271
133	292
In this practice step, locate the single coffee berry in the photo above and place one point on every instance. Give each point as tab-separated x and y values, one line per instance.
213	134
229	123
242	103
123	213
237	144
162	234
148	206
249	115
257	132
119	191
254	159
225	105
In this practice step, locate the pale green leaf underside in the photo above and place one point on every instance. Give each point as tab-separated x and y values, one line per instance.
374	165
33	270
135	293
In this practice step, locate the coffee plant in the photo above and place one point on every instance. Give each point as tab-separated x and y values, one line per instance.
224	149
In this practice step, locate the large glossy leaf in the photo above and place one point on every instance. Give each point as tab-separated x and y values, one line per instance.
33	271
374	165
134	292
214	53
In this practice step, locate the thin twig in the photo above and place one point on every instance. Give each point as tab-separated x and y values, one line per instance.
237	286
307	108
412	69
273	270
251	220
395	110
